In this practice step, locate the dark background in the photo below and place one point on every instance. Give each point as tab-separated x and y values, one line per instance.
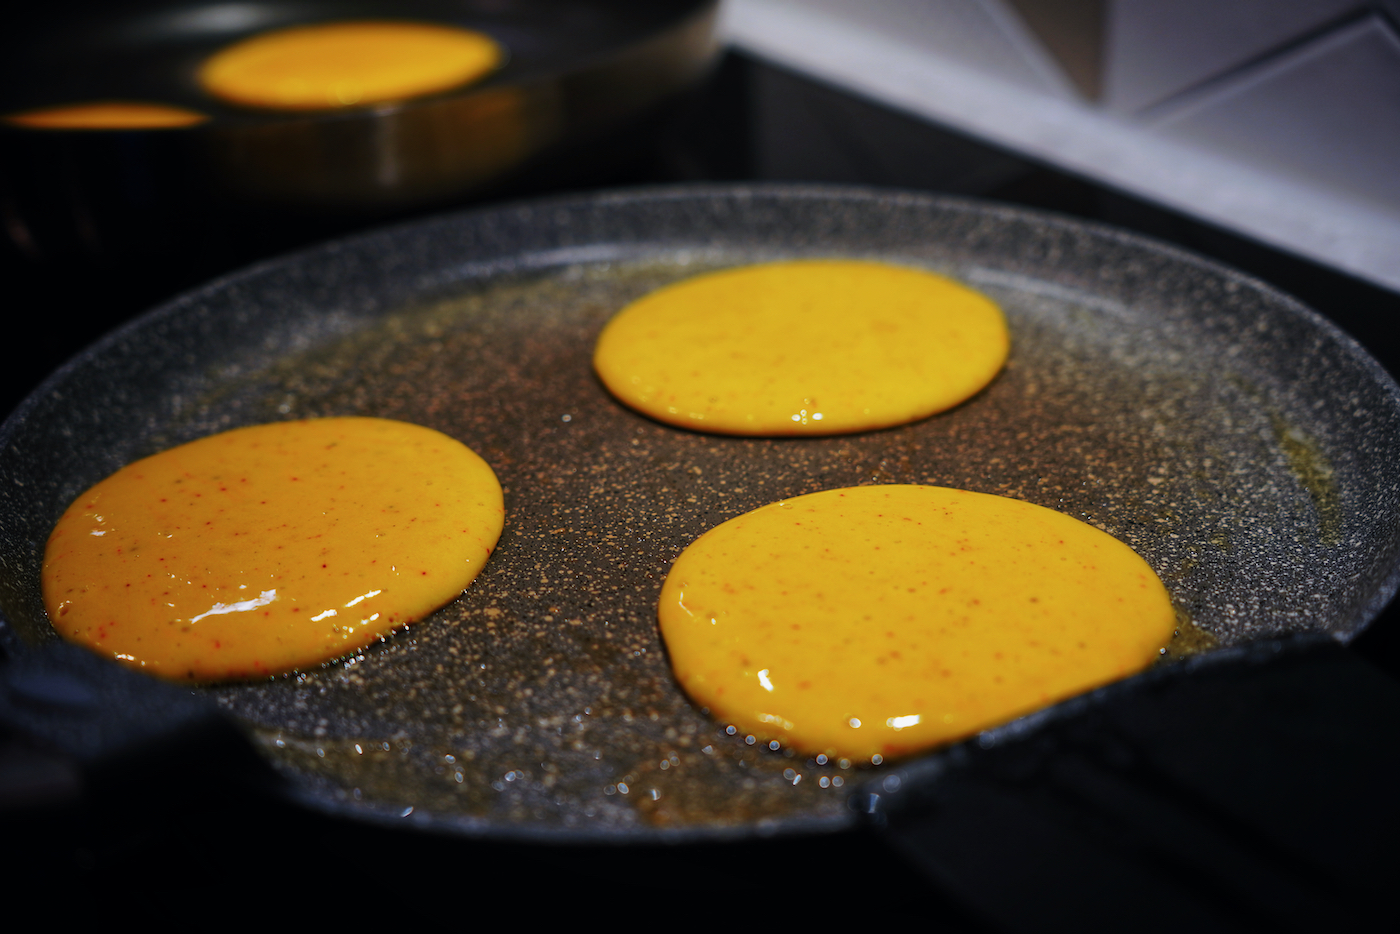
136	831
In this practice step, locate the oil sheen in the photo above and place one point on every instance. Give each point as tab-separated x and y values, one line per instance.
108	115
890	619
809	347
269	548
336	65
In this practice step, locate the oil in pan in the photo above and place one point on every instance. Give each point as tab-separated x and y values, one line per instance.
543	697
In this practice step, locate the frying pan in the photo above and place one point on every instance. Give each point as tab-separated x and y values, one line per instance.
574	71
1240	443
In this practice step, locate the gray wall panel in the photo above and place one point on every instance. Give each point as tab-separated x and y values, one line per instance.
1327	114
1157	48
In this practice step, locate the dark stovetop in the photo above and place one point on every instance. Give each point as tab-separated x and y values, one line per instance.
149	829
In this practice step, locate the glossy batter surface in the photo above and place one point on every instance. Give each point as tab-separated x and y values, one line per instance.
814	347
264	549
889	619
108	115
348	64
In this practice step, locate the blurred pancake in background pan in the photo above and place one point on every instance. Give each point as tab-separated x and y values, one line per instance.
330	65
108	115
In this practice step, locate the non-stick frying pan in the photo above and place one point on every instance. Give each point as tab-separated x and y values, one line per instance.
575	72
1240	443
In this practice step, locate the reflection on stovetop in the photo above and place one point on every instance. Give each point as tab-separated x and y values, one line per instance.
203	826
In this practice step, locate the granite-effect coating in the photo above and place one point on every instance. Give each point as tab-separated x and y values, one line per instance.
1241	444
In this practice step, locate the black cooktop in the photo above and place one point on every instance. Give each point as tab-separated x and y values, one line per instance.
137	829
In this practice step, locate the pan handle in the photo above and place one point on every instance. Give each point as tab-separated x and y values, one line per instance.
1253	789
78	725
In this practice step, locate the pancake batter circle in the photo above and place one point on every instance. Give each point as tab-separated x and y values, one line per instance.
108	115
890	619
335	65
805	347
269	548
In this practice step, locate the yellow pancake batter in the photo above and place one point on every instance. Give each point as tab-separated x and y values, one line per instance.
336	65
264	549
811	347
108	115
889	619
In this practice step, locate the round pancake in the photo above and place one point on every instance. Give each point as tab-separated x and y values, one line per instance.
108	115
882	620
811	347
334	65
269	548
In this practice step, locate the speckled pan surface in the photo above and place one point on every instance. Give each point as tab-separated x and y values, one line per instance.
1248	450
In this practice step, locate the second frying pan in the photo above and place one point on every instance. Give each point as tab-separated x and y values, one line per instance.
1240	443
575	73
